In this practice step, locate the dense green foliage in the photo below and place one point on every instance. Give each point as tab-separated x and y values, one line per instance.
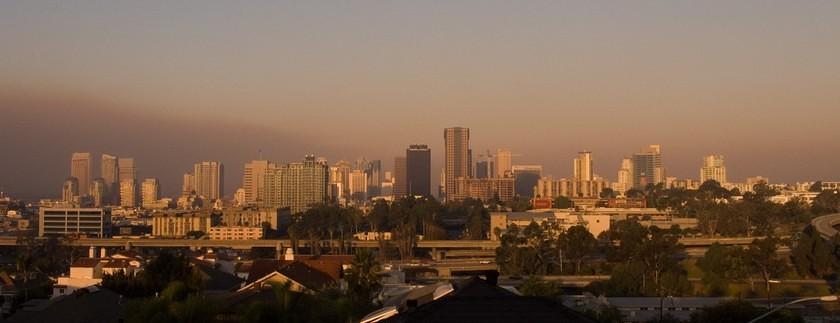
155	277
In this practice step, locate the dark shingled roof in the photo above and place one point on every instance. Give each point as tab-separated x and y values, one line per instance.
475	300
102	306
305	275
85	262
216	280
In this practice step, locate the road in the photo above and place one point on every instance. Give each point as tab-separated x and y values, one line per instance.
826	225
282	243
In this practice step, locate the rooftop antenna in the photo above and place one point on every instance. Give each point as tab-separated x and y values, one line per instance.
260	152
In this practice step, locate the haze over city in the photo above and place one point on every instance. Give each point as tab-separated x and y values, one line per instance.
755	81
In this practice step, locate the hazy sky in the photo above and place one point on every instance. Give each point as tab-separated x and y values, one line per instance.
171	83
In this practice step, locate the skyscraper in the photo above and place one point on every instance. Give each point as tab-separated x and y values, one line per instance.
209	179
110	173
70	189
128	192
457	159
339	176
647	167
253	180
373	170
526	178
400	177
503	163
624	179
418	164
80	168
98	192
296	186
127	169
358	185
150	191
713	169
188	186
583	166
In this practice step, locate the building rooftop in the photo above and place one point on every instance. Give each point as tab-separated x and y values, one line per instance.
477	300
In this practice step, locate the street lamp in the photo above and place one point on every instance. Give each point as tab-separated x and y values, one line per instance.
825	299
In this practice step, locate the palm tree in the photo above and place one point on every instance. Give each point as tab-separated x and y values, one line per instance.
363	277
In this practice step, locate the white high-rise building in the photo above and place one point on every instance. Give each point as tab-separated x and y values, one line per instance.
583	166
99	192
504	163
70	190
253	180
209	179
713	169
358	185
648	167
80	168
624	179
150	191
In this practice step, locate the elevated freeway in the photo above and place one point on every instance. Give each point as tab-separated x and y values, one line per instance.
279	243
827	225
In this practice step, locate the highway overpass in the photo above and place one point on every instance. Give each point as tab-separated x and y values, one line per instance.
826	225
282	243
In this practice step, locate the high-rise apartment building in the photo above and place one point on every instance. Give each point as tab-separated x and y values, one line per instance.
504	163
80	168
297	186
150	191
70	190
127	170
418	163
647	167
400	177
339	177
358	185
209	179
253	180
624	178
188	186
457	156
713	169
128	192
583	166
484	189
110	173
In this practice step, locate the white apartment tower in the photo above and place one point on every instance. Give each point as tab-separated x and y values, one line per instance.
209	179
713	169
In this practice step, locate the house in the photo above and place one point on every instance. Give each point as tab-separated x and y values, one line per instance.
216	281
90	304
300	277
8	291
474	300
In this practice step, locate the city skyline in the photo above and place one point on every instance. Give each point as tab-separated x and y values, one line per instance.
743	80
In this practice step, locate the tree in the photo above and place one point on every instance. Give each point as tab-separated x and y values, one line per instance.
763	260
607	193
816	187
363	277
826	202
535	286
813	256
561	202
577	243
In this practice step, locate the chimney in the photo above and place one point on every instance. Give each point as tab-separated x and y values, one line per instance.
290	255
492	277
92	252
